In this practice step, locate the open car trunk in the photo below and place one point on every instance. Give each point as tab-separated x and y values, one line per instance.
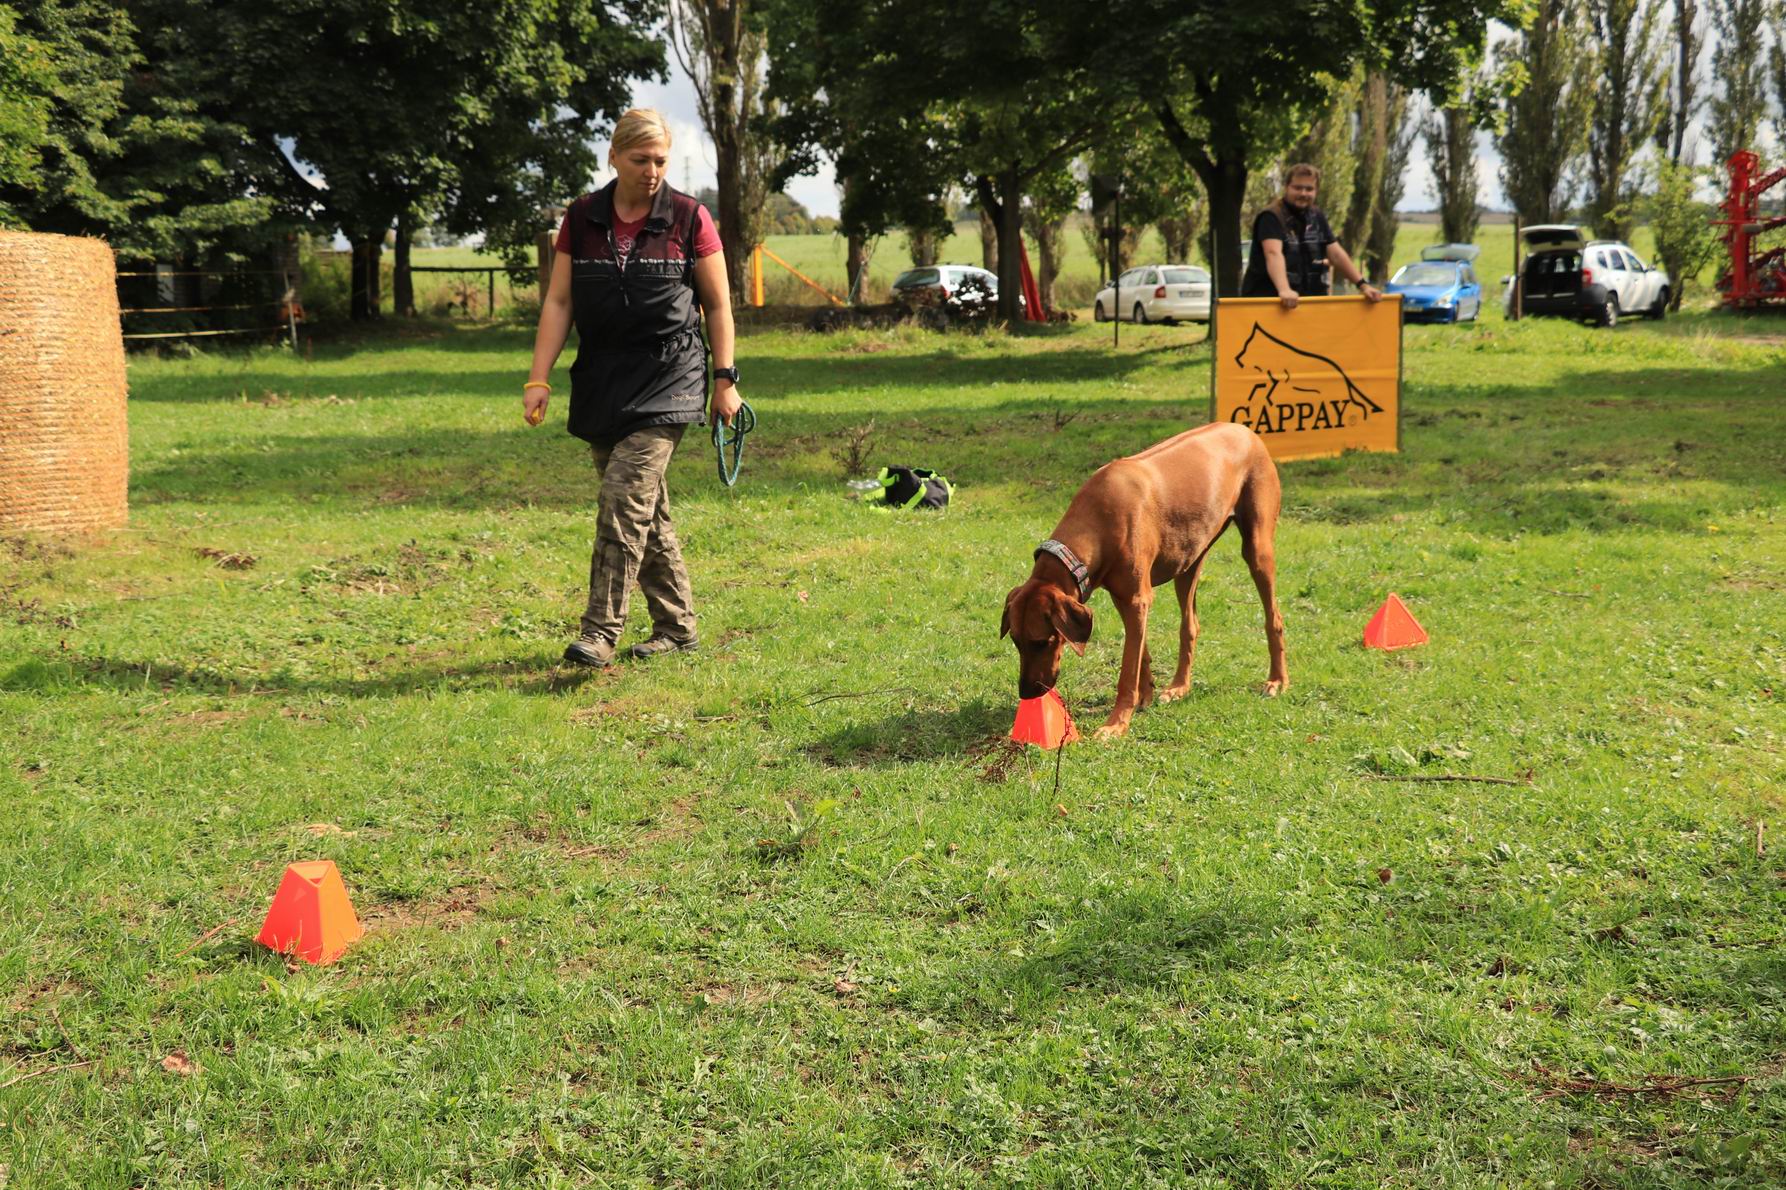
1552	275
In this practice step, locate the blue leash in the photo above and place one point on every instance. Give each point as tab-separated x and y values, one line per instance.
743	422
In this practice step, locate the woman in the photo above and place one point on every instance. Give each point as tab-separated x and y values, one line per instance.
637	263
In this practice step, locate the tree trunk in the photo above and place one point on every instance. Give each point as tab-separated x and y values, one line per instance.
1049	250
988	230
855	248
1225	183
1367	178
1010	247
402	282
1683	101
367	252
727	151
922	242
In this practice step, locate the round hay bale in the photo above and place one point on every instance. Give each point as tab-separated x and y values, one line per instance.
64	443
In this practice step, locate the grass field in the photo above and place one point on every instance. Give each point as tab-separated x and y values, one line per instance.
784	912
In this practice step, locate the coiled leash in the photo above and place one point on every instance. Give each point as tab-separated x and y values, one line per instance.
732	436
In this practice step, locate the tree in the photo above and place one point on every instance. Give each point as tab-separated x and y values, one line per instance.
1739	61
399	106
1231	93
887	169
27	80
1379	247
1629	103
1778	60
1547	121
1683	85
1053	197
1371	151
1329	144
137	149
722	47
1451	148
1686	241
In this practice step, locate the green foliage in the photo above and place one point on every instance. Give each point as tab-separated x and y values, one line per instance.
1686	241
1739	64
1630	99
1545	124
27	81
1450	133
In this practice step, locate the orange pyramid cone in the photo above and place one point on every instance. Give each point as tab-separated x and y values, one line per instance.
1393	627
311	916
1044	722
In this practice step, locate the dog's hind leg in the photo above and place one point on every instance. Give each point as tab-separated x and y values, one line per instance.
1186	587
1256	546
1255	515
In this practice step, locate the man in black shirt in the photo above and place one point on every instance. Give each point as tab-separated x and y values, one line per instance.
1293	247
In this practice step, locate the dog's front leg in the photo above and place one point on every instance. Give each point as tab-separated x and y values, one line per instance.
1134	661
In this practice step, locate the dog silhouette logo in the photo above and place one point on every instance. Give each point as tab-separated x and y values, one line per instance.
1296	389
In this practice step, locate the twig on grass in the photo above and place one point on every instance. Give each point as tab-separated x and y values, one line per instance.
1527	780
13	1082
1653	1084
208	935
813	702
1569	594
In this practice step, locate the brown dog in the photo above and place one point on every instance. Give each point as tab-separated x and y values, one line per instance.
1136	523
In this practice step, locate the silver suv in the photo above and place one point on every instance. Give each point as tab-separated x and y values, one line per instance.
1568	275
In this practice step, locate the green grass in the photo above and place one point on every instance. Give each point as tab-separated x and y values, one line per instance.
601	949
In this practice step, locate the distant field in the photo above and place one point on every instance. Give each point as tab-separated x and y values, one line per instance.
821	257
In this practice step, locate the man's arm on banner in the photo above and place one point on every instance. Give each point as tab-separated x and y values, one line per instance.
1342	264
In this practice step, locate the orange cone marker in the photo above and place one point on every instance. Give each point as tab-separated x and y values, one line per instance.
311	916
1393	627
1044	722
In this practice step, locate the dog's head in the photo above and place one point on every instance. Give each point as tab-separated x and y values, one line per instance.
1040	619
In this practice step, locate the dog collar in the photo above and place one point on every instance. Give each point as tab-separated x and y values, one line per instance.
1071	561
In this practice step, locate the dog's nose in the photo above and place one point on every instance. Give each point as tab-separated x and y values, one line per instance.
1029	689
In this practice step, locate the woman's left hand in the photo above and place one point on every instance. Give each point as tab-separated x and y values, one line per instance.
726	402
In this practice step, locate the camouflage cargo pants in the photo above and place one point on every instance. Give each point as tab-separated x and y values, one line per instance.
635	541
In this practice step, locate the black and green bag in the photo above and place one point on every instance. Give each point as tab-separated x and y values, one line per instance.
912	487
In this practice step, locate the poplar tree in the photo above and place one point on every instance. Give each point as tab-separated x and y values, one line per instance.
1739	62
1451	149
1546	123
1682	97
1629	103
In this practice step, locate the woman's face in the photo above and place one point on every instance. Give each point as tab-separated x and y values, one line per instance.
641	167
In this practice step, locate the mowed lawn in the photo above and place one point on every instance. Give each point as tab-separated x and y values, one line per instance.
787	911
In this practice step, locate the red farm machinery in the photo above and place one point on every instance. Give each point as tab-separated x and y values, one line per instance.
1754	277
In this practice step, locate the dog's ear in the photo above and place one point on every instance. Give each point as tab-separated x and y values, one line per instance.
1072	620
1004	621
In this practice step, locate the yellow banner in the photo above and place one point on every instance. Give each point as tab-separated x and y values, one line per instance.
1313	381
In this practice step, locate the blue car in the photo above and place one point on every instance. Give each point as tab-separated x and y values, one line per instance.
1440	287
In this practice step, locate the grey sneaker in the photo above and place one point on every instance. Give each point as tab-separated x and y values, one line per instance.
658	646
589	651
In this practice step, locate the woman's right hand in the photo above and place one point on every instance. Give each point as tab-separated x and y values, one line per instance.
533	405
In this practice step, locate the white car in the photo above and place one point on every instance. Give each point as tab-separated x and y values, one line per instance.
1156	293
1570	276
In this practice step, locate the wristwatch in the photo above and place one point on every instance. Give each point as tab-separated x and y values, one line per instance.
726	374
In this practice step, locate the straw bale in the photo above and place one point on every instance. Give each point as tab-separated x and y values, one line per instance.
64	444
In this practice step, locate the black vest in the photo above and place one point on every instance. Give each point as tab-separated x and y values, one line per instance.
1304	270
641	358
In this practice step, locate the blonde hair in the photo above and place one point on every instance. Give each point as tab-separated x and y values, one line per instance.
640	126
